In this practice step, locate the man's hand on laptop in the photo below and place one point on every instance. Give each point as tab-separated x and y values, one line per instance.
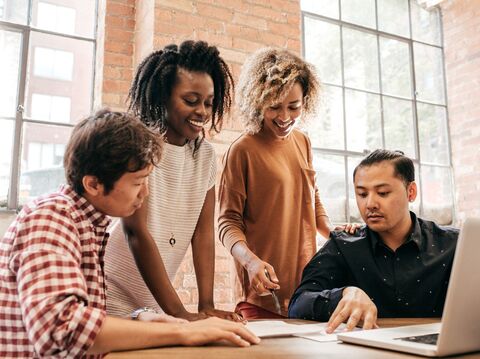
354	307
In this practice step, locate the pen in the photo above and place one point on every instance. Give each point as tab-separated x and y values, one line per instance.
274	295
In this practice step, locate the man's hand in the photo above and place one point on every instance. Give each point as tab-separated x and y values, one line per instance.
259	280
354	307
214	330
212	312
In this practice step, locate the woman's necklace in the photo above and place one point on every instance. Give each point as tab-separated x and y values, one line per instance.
172	241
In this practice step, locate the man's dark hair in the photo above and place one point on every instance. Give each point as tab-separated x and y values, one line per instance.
107	145
403	166
156	76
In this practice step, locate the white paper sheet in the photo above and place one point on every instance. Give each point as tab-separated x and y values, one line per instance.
279	328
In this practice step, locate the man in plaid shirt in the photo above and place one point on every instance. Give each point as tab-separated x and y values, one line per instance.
52	293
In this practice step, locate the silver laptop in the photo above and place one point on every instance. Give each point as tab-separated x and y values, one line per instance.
459	331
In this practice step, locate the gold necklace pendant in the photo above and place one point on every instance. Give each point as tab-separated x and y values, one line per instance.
172	240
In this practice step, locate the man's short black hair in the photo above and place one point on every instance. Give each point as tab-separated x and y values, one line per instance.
403	166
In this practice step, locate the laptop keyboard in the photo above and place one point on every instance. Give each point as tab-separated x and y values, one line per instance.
425	339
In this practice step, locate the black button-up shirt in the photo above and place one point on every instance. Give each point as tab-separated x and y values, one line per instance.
409	282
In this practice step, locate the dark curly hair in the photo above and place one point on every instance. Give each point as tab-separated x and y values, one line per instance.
107	145
156	75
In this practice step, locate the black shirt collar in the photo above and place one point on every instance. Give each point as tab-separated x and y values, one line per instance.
415	235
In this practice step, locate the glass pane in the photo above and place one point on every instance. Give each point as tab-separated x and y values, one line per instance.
42	159
355	216
437	194
53	64
360	12
361	61
425	24
321	35
429	73
327	8
327	130
331	184
364	123
399	126
10	48
72	17
6	146
15	11
393	17
60	78
395	66
432	128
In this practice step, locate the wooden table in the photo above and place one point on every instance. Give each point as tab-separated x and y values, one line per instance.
289	347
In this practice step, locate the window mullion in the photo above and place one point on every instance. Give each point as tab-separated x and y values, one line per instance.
12	200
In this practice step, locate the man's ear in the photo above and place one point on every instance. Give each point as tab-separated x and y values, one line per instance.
412	191
92	186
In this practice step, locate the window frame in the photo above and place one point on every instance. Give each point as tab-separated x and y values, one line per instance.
20	117
345	153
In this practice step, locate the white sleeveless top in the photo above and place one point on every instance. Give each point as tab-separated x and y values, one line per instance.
177	187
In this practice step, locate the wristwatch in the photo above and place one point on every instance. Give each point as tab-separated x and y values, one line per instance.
141	310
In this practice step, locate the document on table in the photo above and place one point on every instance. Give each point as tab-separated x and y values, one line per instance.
278	328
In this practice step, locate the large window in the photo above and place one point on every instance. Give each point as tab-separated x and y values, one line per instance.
47	68
381	65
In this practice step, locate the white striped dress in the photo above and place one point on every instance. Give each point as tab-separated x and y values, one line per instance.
178	187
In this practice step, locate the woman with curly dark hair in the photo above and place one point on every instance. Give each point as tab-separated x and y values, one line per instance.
182	91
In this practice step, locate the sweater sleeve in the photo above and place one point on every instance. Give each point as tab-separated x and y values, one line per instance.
319	208
231	198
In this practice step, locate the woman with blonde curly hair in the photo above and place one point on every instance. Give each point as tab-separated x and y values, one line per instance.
270	209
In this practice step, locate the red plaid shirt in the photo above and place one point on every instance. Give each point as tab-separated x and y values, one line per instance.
52	284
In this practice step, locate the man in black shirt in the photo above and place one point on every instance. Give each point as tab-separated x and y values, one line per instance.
397	265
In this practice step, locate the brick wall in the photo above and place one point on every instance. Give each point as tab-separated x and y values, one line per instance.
461	27
237	27
116	43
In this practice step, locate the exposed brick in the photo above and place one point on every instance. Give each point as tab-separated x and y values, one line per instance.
184	5
119	47
189	281
118	35
246	45
233	55
249	20
268	13
272	39
216	12
461	25
214	39
242	31
116	86
117	59
185	296
119	9
285	29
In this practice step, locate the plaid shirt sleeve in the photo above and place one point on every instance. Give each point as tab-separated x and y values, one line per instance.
46	260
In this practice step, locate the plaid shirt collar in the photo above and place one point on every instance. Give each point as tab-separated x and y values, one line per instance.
97	218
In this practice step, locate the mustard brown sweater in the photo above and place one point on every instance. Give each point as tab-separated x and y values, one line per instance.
268	197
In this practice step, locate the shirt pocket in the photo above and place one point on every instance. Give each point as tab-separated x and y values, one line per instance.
308	182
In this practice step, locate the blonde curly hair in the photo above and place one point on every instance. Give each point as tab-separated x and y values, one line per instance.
266	78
